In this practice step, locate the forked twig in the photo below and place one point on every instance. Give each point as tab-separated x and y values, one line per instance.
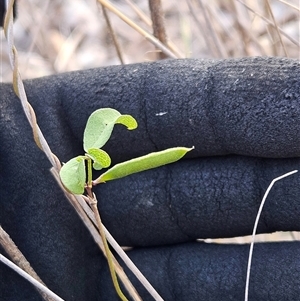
255	228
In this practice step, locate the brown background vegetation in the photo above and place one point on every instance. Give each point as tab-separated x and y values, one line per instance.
64	35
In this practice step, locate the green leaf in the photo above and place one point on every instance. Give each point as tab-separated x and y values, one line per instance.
143	163
72	175
128	121
100	157
100	125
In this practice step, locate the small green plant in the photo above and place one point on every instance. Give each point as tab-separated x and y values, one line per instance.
76	174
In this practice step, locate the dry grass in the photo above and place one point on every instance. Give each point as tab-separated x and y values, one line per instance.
57	36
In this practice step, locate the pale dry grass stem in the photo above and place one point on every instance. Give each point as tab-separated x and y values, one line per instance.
21	262
255	228
41	288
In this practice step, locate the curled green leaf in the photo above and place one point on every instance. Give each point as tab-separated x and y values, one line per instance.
100	157
100	125
72	175
146	162
128	121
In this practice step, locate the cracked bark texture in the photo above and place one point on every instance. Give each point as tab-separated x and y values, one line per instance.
242	116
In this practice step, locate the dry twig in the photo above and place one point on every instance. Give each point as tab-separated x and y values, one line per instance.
159	30
113	35
143	32
19	259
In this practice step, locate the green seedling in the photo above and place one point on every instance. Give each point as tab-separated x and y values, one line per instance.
76	174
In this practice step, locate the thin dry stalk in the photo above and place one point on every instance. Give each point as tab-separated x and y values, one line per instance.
270	23
19	259
143	32
289	17
20	91
157	17
256	43
292	16
29	278
140	13
201	28
240	28
113	35
250	36
220	29
272	33
68	49
255	228
148	22
289	4
211	30
276	32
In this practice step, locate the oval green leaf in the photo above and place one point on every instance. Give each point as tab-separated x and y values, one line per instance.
100	157
146	162
100	125
72	175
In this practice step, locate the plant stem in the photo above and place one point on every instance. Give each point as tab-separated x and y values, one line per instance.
93	203
158	25
89	176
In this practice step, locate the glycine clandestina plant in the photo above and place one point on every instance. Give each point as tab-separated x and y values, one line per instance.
97	132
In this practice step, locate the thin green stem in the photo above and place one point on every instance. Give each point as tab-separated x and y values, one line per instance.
93	203
113	274
89	173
